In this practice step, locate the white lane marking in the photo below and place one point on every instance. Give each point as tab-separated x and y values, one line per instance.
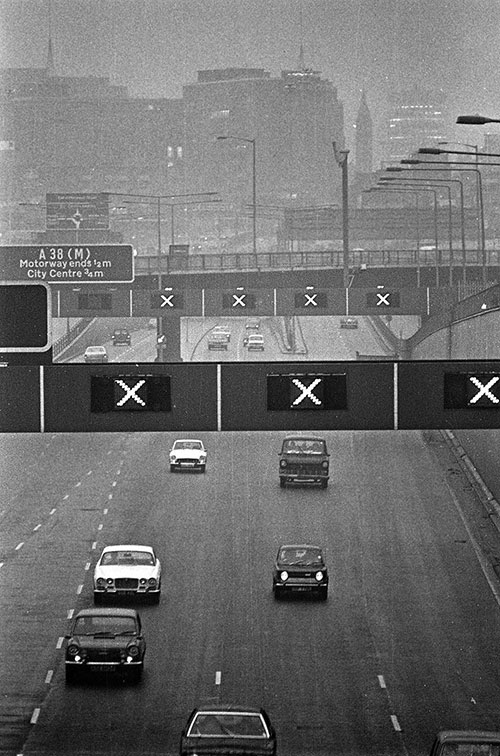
395	723
52	511
99	527
60	642
105	511
110	496
48	676
89	472
2	564
218	676
87	566
114	483
381	681
65	497
37	527
34	716
118	471
94	545
19	546
70	613
78	484
79	589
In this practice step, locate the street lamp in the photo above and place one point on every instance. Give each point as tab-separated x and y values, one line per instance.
341	160
476	120
462	211
254	184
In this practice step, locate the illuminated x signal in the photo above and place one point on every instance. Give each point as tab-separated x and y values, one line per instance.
471	390
125	393
316	391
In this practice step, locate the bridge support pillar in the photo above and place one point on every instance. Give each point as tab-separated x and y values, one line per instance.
169	349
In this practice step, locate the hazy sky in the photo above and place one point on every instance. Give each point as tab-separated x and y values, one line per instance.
155	46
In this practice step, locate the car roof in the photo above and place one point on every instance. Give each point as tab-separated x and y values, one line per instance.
128	547
96	348
300	546
296	436
198	440
229	708
107	611
468	736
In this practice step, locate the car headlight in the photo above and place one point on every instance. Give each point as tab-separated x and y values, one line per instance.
100	582
283	463
319	576
142	581
284	575
173	458
324	464
133	651
152	582
73	649
109	581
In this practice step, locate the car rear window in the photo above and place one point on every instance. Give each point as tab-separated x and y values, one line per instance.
138	558
90	625
217	724
304	446
300	556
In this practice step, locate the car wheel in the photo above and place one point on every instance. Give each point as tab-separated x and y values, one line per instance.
278	593
71	675
155	598
282	482
98	597
203	468
323	594
172	468
324	483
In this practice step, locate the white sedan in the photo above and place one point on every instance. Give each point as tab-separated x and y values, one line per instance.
125	570
188	453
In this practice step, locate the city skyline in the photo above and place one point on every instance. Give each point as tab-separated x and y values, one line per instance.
156	47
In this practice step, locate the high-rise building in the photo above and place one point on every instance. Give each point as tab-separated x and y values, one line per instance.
417	118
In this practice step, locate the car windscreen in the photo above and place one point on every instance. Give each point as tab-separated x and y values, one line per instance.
187	445
219	724
470	749
138	558
303	446
299	556
104	625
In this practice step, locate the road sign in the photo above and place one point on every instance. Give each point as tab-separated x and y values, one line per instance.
383	299
24	317
130	393
472	390
313	391
167	300
310	299
68	264
238	300
77	212
178	249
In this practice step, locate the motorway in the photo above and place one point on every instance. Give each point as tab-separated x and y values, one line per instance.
406	644
317	338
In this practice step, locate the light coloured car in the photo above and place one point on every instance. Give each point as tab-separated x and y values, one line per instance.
188	453
254	341
96	354
223	330
127	570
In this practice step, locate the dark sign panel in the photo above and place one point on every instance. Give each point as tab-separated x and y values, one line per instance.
68	263
472	391
130	393
383	299
24	317
167	300
298	391
310	300
238	300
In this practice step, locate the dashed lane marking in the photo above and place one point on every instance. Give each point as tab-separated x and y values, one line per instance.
48	676
37	527
19	546
34	716
395	723
381	681
79	589
218	676
70	613
87	566
60	641
52	511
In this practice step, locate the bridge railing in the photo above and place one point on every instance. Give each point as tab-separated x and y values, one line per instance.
227	261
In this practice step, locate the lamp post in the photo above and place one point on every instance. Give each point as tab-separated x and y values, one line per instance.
462	211
341	160
476	120
433	182
254	184
474	147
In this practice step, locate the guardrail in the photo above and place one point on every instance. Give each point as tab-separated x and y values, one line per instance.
227	261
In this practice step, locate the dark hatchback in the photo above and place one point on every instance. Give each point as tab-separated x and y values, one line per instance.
121	336
466	743
300	568
228	730
106	641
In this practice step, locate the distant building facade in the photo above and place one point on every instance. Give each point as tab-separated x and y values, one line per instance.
417	118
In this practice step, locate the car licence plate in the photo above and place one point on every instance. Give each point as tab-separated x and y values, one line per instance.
103	667
187	464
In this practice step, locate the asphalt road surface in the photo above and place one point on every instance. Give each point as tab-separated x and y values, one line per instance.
406	644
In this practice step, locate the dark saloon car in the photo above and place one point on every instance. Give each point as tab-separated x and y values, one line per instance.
348	322
107	641
304	459
300	568
215	730
466	743
121	336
